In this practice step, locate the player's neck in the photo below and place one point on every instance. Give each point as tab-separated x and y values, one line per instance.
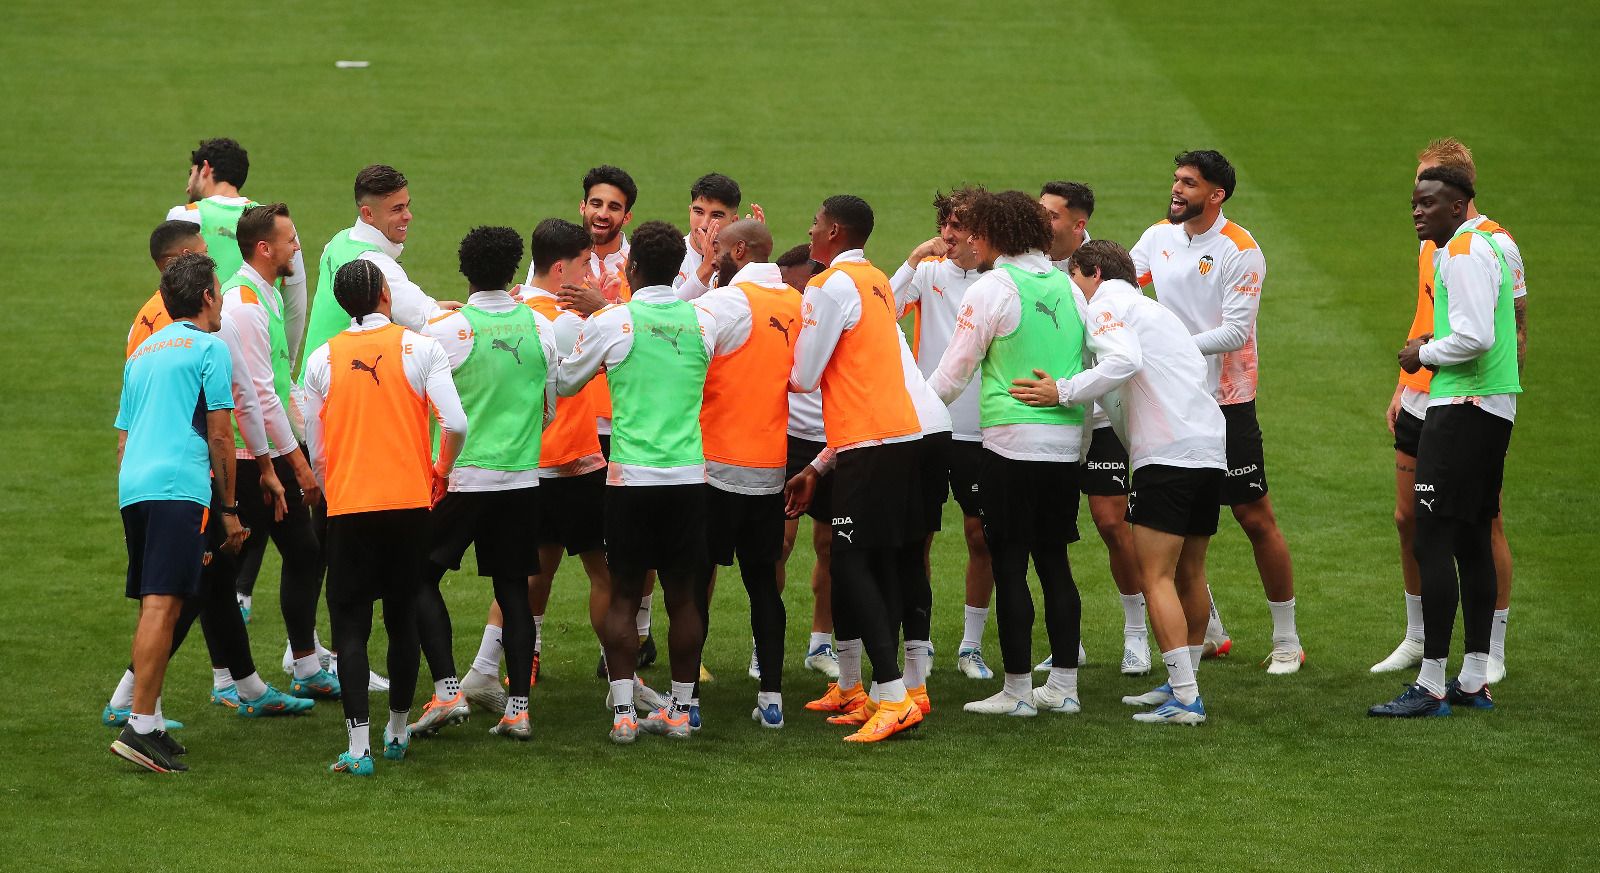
223	189
1201	223
1472	210
547	282
262	268
603	249
1061	253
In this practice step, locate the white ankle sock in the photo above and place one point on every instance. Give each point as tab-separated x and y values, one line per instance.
243	600
1283	628
919	655
1474	671
360	737
143	724
1195	654
1133	614
765	699
849	664
538	634
447	688
892	692
1431	676
973	624
397	729
818	639
487	661
642	619
1019	685
220	677
1497	634
681	692
1180	674
1064	680
1414	617
516	706
1214	626
622	692
122	698
251	687
305	668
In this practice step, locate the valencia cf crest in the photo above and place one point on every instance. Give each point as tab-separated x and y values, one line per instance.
1205	264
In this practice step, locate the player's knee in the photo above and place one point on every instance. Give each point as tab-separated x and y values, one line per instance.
1405	521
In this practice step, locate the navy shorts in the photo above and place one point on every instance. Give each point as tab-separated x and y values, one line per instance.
166	547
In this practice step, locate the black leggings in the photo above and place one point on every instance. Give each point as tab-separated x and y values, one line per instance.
516	634
352	628
227	640
300	584
916	592
867	603
767	618
1442	547
1063	611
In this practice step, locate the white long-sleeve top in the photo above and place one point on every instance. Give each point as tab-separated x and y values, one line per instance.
410	306
427	369
934	288
566	327
605	341
826	312
1151	378
294	287
454	334
254	342
1473	280
731	310
992	308
246	409
1213	282
688	284
1097	413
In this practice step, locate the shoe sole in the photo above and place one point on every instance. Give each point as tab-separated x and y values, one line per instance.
418	730
130	754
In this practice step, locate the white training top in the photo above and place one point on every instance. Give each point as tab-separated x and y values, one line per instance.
250	322
427	369
1151	378
1474	283
688	284
454	334
566	328
934	289
410	306
294	287
614	264
1213	282
992	308
605	341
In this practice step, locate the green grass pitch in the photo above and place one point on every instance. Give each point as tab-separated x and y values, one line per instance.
495	111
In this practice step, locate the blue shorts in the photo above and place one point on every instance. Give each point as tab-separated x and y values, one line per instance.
166	547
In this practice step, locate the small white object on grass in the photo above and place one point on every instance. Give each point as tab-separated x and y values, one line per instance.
352	65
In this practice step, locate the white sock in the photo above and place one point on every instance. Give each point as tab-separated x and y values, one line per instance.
360	737
1414	622
919	654
1283	628
243	600
220	677
1474	671
1497	634
122	698
1180	674
516	706
161	717
892	692
849	664
447	688
819	639
538	634
1019	685
1133	614
972	630
1431	676
305	668
642	620
1195	654
143	724
1214	626
396	729
487	661
1064	681
251	687
622	693
681	692
765	699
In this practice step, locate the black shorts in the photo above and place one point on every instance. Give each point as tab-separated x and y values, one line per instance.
166	542
1105	467
605	446
1407	433
495	522
877	503
932	474
801	453
1184	501
572	512
1461	462
655	527
749	526
1246	481
376	555
254	512
961	462
1028	501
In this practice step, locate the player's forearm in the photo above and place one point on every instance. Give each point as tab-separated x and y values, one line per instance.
219	441
1520	307
1229	337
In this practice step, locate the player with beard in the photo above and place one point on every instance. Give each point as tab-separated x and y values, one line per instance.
1472	404
1210	272
930	285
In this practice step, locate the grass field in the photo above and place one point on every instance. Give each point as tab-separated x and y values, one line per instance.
494	113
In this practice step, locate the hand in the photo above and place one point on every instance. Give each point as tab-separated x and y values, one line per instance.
310	491
1411	355
235	531
705	241
272	494
1036	392
933	248
450	305
516	293
439	486
583	299
1393	412
756	213
797	492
